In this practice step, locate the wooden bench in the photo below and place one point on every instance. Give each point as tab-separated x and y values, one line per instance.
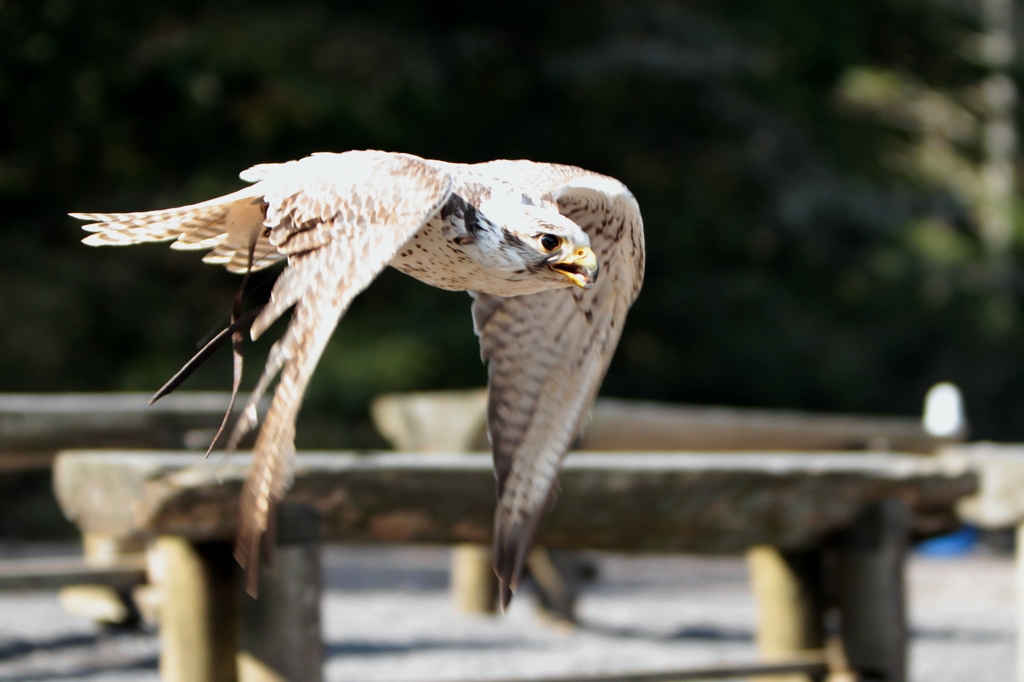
455	421
860	509
35	426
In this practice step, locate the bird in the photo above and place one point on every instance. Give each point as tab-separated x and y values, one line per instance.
552	256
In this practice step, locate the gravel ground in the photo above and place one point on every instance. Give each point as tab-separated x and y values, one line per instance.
387	616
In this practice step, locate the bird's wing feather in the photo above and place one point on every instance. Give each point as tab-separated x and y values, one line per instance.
339	219
548	352
226	225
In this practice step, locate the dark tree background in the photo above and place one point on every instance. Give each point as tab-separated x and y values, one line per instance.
802	254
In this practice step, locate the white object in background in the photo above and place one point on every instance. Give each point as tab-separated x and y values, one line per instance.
944	411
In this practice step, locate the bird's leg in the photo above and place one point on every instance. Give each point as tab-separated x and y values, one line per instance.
199	358
234	331
237	339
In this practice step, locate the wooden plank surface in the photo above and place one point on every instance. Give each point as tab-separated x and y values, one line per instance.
716	503
34	424
640	425
48	574
452	421
814	668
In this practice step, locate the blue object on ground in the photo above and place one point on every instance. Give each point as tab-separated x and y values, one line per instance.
957	543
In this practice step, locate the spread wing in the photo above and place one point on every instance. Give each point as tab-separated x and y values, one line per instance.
227	225
339	223
339	219
548	352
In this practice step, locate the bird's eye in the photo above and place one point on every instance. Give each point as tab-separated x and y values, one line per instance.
550	242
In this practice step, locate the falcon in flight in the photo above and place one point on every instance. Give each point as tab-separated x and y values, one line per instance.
553	257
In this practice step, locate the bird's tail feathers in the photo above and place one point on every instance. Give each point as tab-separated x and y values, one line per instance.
225	224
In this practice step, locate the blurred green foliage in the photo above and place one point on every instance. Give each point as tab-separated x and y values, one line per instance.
799	255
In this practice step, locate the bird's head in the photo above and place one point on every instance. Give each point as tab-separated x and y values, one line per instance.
542	245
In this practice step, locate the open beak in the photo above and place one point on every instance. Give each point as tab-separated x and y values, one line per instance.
580	267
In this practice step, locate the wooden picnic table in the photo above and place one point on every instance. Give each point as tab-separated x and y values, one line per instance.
860	508
684	502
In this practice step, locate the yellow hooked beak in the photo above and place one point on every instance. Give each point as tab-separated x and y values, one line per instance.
580	267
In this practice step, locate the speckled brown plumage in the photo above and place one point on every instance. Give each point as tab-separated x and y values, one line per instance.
485	228
548	352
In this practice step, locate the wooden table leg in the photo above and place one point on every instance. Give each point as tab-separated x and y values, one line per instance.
556	576
871	594
198	586
281	640
788	589
103	603
474	584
